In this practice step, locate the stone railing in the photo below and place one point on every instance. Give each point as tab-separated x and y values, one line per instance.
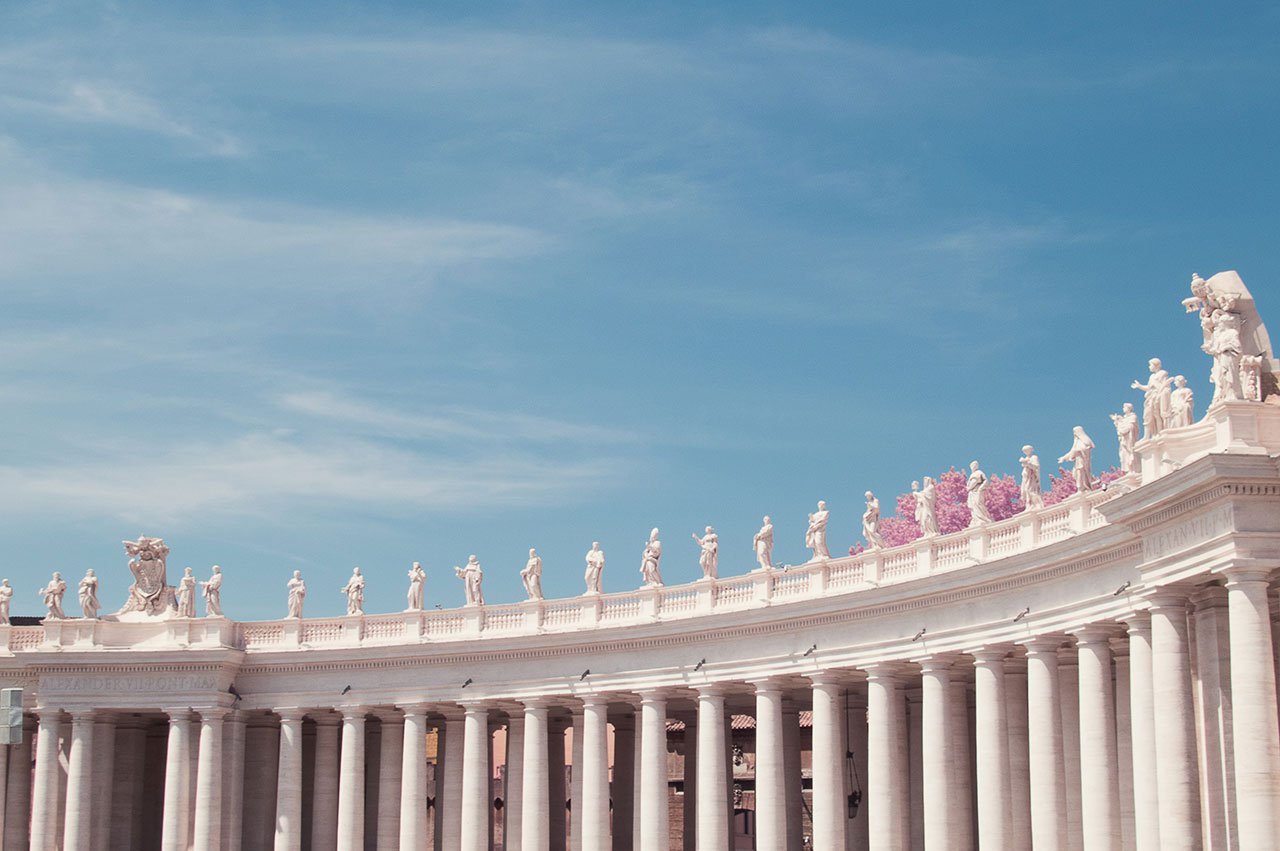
783	584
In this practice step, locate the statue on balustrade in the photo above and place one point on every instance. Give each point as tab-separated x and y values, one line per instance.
531	576
472	577
651	560
763	544
1127	432
150	592
1234	337
1181	403
212	591
1081	457
871	522
187	594
297	593
52	594
1030	491
89	595
815	538
709	557
354	589
595	570
1156	398
417	587
926	505
6	598
977	499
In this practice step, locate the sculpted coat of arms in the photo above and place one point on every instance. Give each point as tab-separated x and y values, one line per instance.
150	592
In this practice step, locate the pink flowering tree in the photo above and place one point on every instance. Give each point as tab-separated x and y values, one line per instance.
1003	498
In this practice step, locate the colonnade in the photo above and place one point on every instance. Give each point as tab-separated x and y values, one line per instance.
1159	729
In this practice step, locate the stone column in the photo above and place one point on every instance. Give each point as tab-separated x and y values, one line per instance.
595	773
771	790
209	781
1211	696
413	777
289	782
324	788
513	784
1142	721
1069	684
939	822
44	808
1124	742
915	764
575	783
886	798
556	812
1015	689
828	761
964	798
351	780
1099	767
1176	763
78	832
713	797
622	789
449	792
992	728
17	821
261	766
390	765
177	778
233	781
689	827
791	746
104	779
1044	735
1253	709
653	816
536	806
475	779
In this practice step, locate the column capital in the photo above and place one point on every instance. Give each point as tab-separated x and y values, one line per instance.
1242	572
654	695
881	671
387	715
1209	597
352	711
829	677
293	714
451	712
325	718
475	707
1138	623
767	685
594	700
711	689
414	710
1043	644
989	653
932	662
1094	634
1167	598
177	714
213	713
82	716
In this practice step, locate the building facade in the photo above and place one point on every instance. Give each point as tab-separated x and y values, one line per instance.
1099	673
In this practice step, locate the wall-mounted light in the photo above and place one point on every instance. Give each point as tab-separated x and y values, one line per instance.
584	675
467	683
809	652
1122	588
1022	614
698	667
919	635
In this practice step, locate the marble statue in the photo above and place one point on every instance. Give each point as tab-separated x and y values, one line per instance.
186	594
1030	491
89	595
297	593
871	522
1234	336
531	576
472	577
1181	403
709	558
52	594
6	597
150	592
1081	456
926	503
977	487
1127	432
763	544
651	560
1156	399
212	591
595	570
815	538
417	587
354	589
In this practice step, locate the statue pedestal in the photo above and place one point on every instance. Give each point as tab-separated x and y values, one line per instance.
5	630
69	632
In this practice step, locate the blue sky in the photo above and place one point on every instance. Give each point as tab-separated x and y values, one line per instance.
309	286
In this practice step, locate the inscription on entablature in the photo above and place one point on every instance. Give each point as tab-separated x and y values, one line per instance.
108	683
1187	534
